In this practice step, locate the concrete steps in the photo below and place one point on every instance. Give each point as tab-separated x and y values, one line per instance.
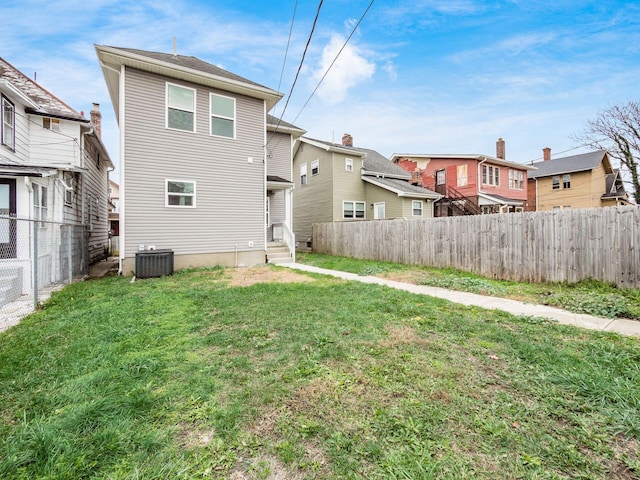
10	283
278	253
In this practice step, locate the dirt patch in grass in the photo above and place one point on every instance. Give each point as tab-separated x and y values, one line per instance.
245	277
402	335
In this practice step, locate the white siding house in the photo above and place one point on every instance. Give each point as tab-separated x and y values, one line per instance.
54	170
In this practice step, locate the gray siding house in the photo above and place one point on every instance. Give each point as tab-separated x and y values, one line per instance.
53	186
339	182
199	164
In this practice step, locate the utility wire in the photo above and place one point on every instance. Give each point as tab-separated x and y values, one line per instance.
304	54
286	52
335	59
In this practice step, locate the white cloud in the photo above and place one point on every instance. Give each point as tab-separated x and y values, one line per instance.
349	70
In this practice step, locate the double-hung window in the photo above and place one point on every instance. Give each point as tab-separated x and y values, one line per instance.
348	164
40	204
180	193
555	182
516	179
490	175
353	210
315	167
416	207
8	124
566	180
223	116
303	174
181	108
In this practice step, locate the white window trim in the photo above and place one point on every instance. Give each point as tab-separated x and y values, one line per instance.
3	102
516	179
303	174
375	209
315	163
491	173
354	202
348	164
413	208
166	193
39	207
166	107
211	116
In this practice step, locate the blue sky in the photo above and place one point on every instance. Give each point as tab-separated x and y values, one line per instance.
419	76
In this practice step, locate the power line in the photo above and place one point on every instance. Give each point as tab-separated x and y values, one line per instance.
304	54
286	52
335	59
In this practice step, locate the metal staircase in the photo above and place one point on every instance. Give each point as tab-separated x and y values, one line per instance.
458	204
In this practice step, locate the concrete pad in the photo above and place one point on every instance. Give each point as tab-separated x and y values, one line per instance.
515	307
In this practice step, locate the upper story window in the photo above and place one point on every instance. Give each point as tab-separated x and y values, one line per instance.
8	124
348	164
555	182
566	180
461	170
516	179
223	116
441	177
315	167
181	108
180	193
303	174
490	175
52	124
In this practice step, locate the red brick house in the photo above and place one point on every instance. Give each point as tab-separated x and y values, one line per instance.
472	184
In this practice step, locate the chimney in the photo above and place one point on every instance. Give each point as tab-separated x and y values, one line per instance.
500	151
96	119
546	153
347	140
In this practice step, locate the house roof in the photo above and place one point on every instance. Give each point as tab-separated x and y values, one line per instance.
572	164
274	124
463	156
500	199
401	187
37	99
181	67
614	186
374	163
26	171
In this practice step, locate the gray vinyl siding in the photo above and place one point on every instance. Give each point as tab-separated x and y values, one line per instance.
312	203
229	190
279	155
347	186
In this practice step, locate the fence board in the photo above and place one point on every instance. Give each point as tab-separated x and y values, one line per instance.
561	245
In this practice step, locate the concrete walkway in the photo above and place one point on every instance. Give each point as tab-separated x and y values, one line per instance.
622	326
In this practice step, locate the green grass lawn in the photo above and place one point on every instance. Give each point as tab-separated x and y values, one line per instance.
590	296
190	377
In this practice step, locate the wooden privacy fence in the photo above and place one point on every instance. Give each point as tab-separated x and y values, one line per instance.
561	245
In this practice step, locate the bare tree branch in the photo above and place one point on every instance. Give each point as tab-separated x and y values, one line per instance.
617	130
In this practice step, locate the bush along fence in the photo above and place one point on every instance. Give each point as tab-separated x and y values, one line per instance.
38	254
557	246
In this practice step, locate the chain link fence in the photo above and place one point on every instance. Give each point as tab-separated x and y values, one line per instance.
36	255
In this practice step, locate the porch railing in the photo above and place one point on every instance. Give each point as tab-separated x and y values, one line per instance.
289	238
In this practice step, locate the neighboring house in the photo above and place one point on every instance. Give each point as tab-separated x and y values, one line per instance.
203	171
338	182
580	181
114	209
53	170
471	184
